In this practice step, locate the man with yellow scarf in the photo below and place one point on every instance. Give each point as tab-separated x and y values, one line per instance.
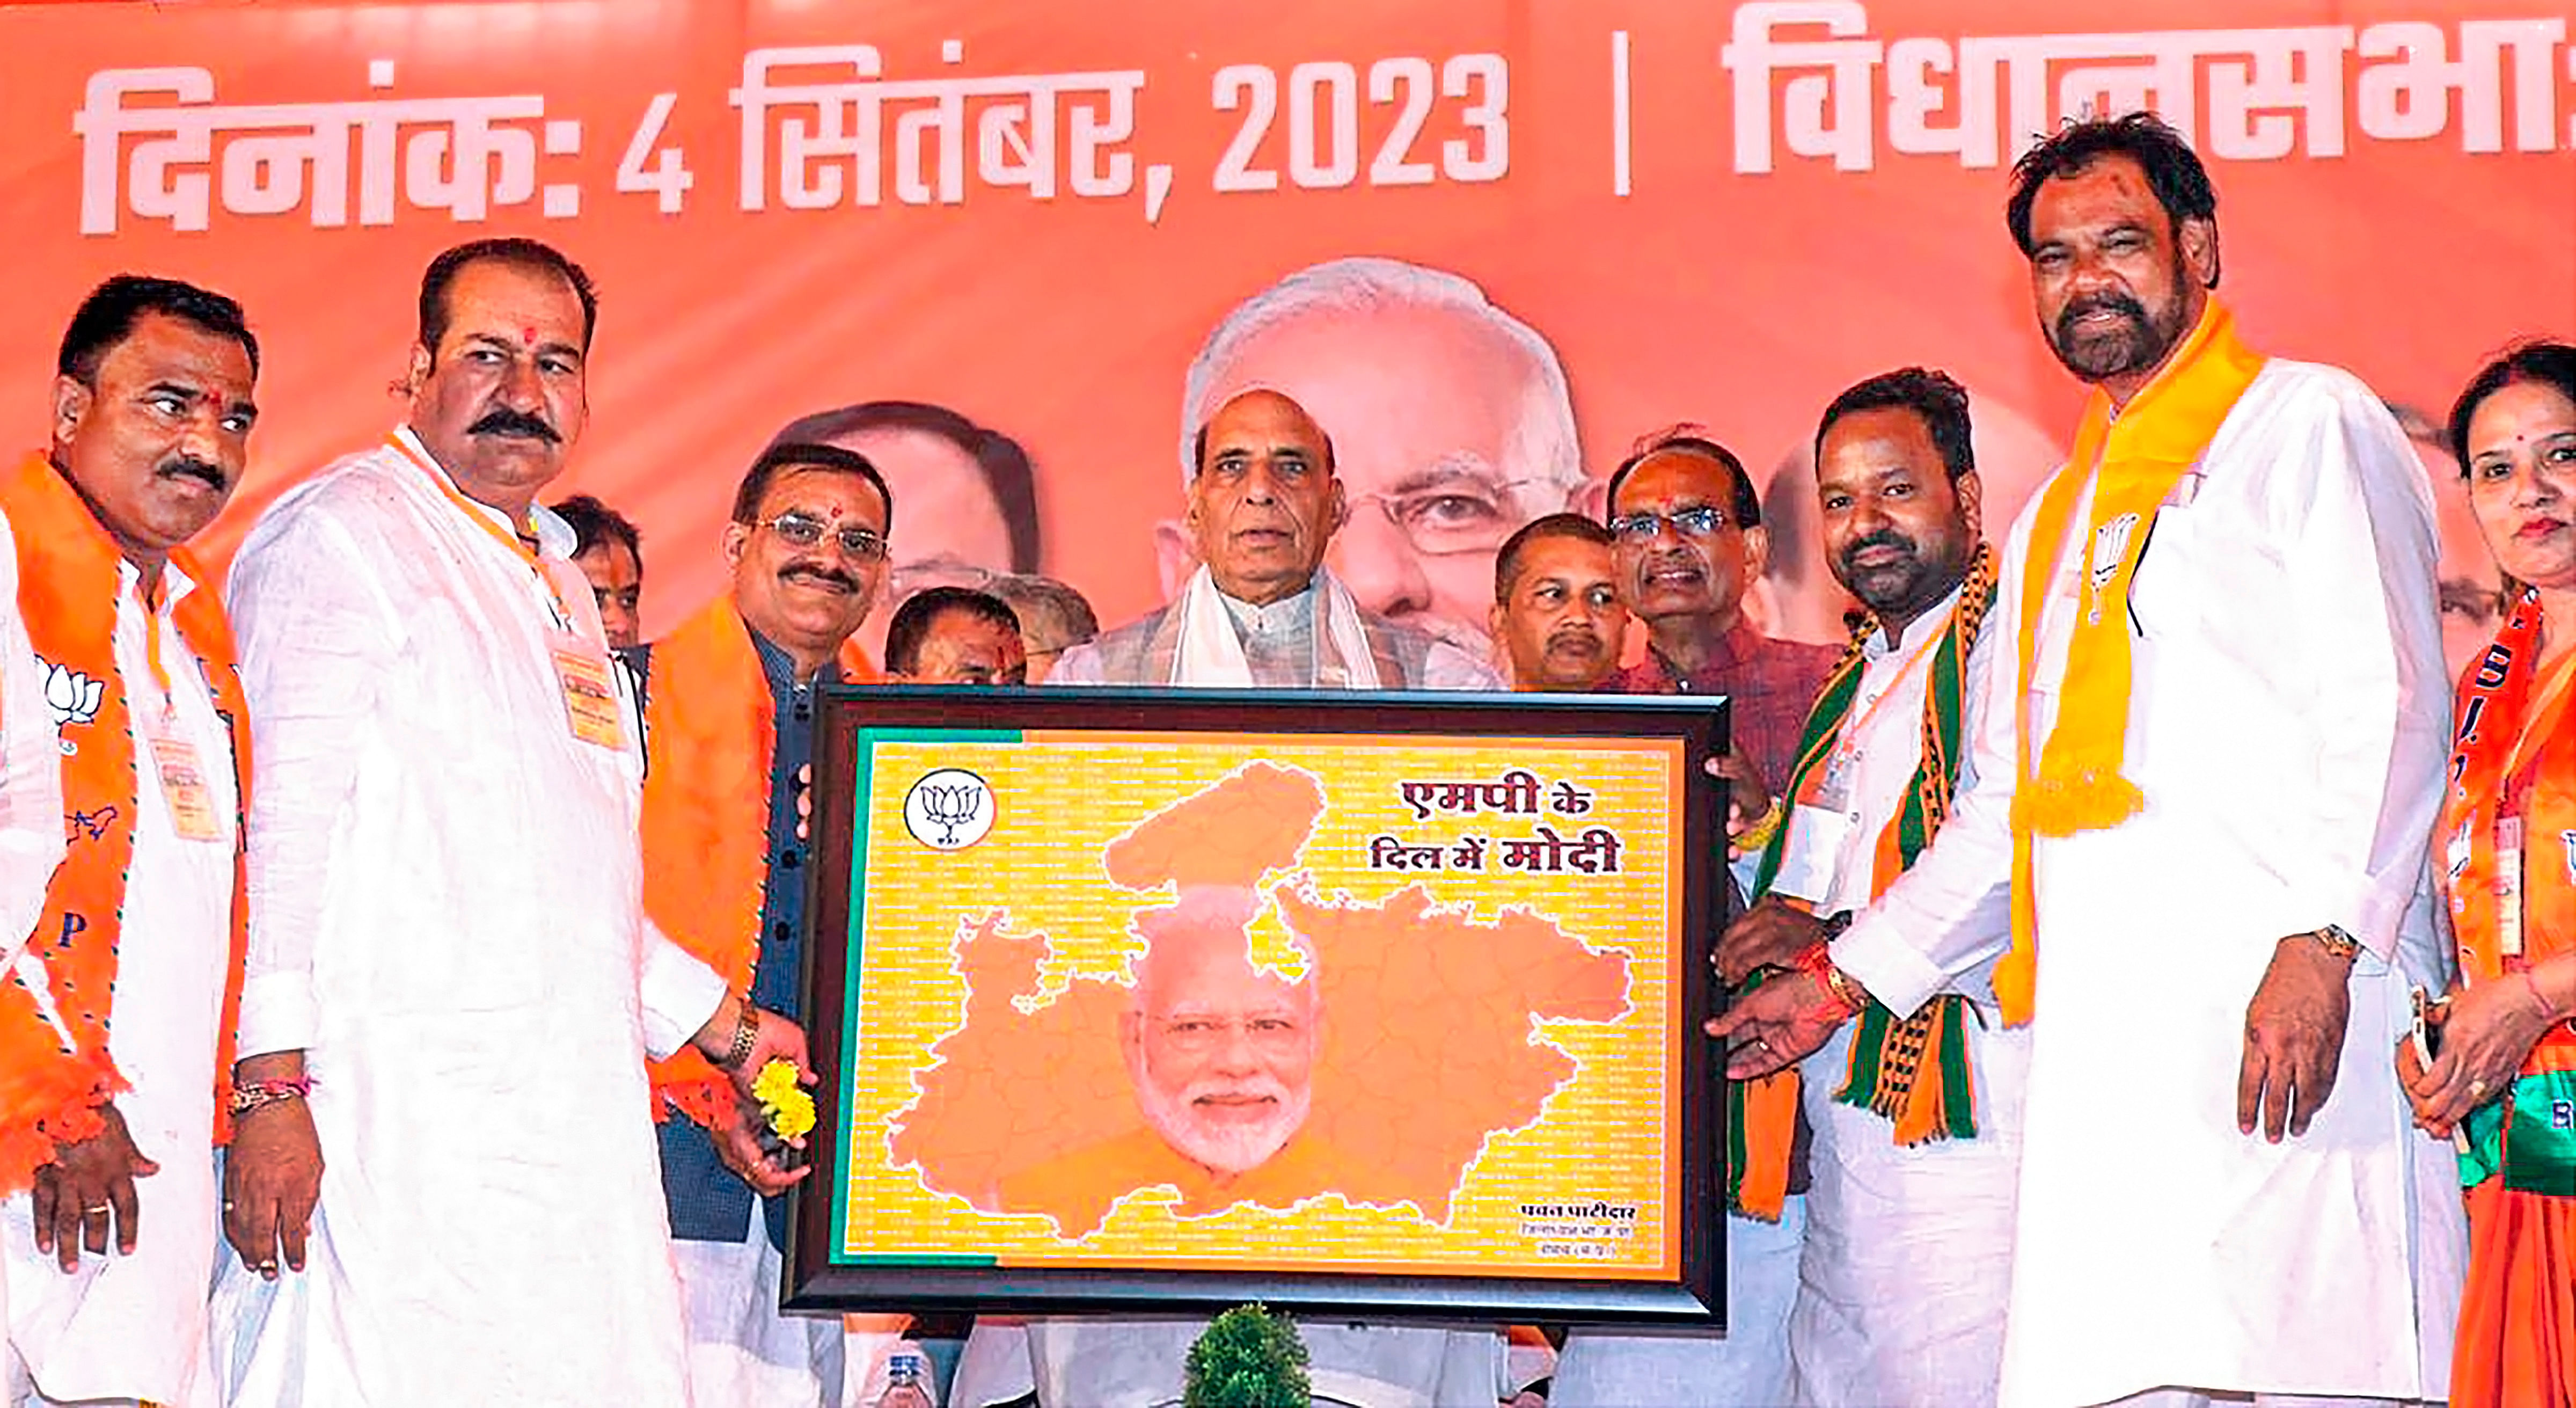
2206	773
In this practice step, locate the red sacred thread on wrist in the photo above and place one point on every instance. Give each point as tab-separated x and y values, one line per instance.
252	1095
1841	994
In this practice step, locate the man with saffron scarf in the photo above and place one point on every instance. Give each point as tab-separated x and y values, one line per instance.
447	884
2206	772
1908	1250
731	697
116	1019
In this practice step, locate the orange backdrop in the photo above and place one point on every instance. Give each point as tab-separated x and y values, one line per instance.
2401	220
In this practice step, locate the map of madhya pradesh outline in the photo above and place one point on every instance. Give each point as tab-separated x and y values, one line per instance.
1429	1017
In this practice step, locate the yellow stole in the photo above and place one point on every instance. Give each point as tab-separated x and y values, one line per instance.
2133	461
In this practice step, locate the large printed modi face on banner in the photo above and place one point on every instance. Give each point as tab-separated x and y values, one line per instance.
1356	994
1486	246
1450	421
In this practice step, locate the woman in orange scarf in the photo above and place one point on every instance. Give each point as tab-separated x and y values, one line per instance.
2505	1076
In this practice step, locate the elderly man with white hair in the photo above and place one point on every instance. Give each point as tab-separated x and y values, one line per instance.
1261	611
1451	418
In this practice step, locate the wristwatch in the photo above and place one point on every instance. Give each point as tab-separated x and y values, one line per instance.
2337	941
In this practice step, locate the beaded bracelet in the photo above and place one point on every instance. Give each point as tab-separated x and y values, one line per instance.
260	1094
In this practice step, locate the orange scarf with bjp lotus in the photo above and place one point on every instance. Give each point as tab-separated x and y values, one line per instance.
2136	459
711	728
55	1069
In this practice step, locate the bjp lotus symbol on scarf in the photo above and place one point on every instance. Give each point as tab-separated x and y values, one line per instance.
949	809
73	696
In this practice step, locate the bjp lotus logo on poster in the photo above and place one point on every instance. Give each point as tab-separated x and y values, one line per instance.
949	809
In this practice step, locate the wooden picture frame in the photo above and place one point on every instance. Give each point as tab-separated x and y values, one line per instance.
986	857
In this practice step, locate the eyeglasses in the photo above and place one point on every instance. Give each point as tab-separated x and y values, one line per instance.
1199	1034
1457	513
797	530
1643	526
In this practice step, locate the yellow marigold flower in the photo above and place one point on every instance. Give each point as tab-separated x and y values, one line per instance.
789	1107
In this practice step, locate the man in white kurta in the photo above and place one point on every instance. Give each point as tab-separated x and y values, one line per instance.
445	875
1907	1256
140	1320
2284	723
99	525
1260	611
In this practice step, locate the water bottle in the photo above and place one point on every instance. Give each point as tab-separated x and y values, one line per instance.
905	1386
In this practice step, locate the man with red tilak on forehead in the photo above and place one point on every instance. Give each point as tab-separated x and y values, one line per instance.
450	940
115	1014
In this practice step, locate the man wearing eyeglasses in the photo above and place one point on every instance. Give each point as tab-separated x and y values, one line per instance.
1689	540
1451	417
1687	535
730	698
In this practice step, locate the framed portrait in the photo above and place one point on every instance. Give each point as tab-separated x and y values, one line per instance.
1168	1000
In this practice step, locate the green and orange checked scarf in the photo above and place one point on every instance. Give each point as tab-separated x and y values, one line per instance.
68	583
1912	1070
2134	459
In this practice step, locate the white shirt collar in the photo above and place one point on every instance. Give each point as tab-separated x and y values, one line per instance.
1922	628
555	538
175	584
1282	617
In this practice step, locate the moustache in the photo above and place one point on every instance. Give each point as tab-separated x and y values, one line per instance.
177	465
1883	538
824	575
1583	639
519	423
2105	302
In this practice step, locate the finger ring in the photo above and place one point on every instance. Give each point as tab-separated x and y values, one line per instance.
2477	1085
101	1210
228	1205
265	1266
1765	1045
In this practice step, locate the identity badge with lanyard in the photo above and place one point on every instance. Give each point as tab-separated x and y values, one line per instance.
1822	819
582	670
185	787
2499	887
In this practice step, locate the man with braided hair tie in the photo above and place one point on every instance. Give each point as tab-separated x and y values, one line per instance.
1915	1120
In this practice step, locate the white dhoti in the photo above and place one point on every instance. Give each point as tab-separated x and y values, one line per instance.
1746	1368
745	1353
1908	1256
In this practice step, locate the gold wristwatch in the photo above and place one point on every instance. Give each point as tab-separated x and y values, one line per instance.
2337	941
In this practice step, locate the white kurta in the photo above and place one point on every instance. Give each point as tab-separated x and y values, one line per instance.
1136	1363
1908	1256
447	919
2287	721
135	1327
31	788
